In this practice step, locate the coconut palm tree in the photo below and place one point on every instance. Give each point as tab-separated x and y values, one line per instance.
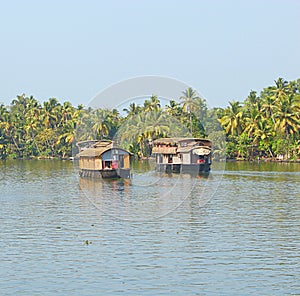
133	109
264	134
101	123
251	121
85	120
157	124
287	115
232	119
18	105
173	108
152	104
3	115
66	112
31	127
4	130
280	90
142	129
189	103
51	113
131	132
16	132
268	105
251	100
201	109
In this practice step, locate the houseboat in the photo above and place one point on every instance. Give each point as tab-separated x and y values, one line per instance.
100	159
175	155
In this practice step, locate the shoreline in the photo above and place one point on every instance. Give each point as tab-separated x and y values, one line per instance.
71	158
265	160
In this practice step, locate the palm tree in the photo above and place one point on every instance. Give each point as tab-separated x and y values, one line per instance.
19	104
173	109
268	105
131	132
3	113
133	109
280	90
67	112
16	132
51	113
251	120
264	134
69	134
31	127
4	130
157	124
67	139
152	104
201	109
100	123
85	120
287	116
252	99
189	103
232	119
142	129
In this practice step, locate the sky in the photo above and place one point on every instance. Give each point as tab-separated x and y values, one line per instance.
72	50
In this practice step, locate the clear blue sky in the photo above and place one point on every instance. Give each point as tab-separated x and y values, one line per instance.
71	50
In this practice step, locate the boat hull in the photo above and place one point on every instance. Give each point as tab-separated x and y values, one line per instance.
106	174
184	168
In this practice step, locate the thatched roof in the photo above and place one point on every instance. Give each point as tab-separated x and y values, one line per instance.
173	141
93	152
174	145
164	150
83	145
167	141
200	150
98	149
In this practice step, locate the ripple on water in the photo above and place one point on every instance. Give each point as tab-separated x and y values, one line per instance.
243	241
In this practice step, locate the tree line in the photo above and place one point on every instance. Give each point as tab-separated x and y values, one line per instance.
264	125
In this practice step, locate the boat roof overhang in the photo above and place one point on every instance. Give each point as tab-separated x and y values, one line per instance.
200	150
164	150
93	152
98	151
169	141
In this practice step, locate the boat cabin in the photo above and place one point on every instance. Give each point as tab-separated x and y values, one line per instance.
183	154
101	159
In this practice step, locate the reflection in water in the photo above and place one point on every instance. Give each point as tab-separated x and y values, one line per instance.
148	196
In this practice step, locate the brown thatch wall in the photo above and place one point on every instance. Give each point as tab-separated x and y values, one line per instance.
164	150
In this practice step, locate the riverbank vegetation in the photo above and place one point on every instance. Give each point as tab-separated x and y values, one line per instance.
264	125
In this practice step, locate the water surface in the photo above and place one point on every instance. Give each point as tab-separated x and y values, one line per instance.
235	233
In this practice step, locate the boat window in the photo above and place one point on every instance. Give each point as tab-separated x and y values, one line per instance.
160	157
121	160
107	165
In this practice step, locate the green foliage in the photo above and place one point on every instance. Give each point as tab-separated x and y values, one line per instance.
263	125
219	144
267	125
243	146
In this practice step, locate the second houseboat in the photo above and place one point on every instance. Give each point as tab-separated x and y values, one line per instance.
192	155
